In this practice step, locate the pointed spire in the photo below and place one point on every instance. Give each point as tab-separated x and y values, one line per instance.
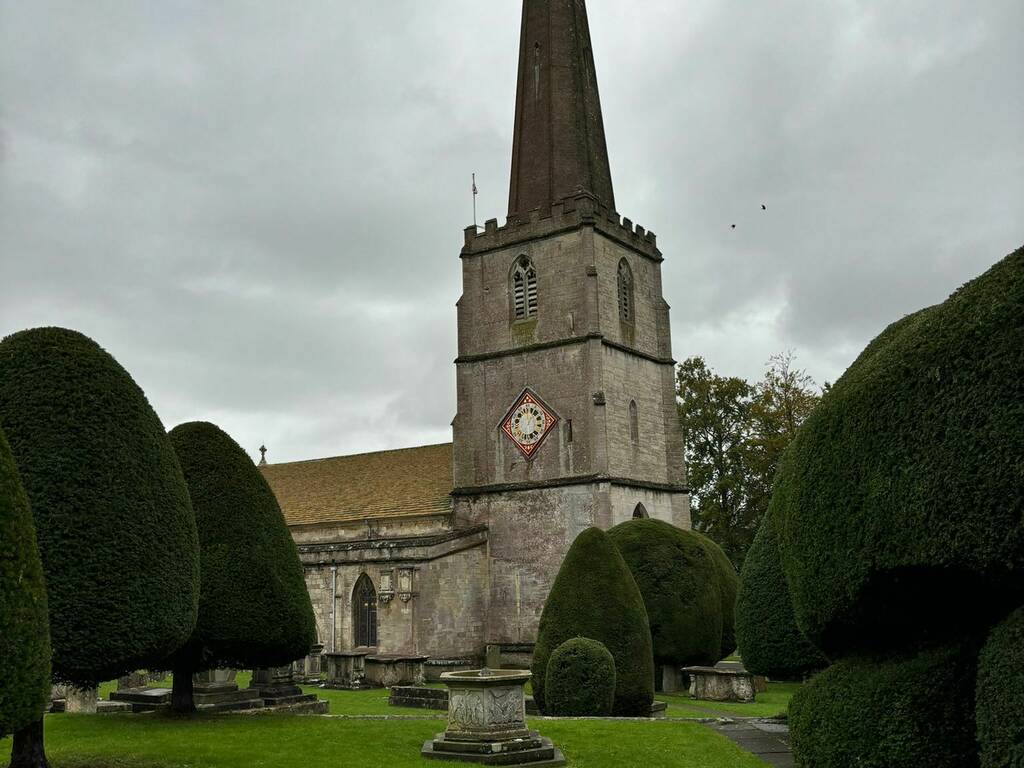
559	144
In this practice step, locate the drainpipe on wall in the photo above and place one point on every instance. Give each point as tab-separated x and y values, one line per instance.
334	609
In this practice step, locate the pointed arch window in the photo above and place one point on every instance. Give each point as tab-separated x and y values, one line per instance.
625	291
634	423
524	289
640	513
364	610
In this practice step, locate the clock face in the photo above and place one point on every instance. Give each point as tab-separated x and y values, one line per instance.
528	422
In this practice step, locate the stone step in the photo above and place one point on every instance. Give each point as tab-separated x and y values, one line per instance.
422	698
274	701
545	755
441	744
231	706
144	699
112	707
224	697
314	707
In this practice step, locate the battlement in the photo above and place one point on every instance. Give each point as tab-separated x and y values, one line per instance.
581	209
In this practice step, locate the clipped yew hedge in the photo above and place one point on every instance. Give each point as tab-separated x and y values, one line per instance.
595	596
1000	695
580	680
729	582
685	587
898	505
24	626
115	528
769	640
899	712
254	608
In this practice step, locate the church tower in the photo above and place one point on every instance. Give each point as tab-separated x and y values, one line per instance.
566	383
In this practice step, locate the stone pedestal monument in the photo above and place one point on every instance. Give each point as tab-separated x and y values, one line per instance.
487	722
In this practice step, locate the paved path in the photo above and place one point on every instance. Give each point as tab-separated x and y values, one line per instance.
767	741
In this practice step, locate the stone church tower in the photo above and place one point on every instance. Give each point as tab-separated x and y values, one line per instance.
566	399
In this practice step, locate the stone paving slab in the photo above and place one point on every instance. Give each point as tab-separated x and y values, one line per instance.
767	741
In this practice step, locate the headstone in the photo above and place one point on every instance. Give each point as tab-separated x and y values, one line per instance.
132	681
81	701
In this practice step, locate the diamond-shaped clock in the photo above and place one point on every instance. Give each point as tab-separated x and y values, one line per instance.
528	422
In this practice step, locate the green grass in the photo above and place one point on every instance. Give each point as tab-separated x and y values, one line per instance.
774	702
261	741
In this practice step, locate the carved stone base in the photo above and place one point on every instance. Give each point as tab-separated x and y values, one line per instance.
532	750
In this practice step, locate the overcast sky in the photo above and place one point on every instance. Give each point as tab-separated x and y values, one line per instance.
257	207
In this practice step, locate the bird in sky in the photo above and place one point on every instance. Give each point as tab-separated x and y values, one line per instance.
764	207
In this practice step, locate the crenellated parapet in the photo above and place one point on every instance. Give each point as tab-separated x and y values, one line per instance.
579	210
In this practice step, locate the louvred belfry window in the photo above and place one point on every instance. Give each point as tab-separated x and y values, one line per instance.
626	308
524	289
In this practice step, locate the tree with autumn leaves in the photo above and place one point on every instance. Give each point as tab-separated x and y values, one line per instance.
735	432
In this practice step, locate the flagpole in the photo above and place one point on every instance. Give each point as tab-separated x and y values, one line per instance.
475	227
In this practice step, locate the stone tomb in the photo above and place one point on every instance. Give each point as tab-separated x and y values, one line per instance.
217	691
277	688
718	684
487	722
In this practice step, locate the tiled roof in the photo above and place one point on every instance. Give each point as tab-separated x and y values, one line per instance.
410	482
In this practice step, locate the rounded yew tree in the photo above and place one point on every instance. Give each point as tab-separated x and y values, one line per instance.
1000	695
905	711
115	528
24	626
595	596
769	640
682	583
580	680
898	506
254	609
729	581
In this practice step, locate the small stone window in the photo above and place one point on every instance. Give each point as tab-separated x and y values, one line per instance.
640	513
364	613
524	289
625	291
634	423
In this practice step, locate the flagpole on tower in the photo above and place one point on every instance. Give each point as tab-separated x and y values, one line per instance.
475	191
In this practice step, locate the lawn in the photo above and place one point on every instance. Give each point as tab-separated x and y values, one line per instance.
256	741
774	702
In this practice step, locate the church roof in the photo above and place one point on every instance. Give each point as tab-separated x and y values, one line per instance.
410	482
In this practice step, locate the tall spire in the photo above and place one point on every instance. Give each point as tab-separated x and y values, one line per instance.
559	146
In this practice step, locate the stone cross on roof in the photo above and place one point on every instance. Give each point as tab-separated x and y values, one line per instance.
263	455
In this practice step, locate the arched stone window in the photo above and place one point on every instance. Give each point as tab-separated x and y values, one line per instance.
626	307
364	613
640	513
524	289
634	423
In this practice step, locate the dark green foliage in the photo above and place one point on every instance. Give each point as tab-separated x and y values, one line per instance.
24	626
769	640
595	596
1000	695
684	584
254	609
899	504
115	528
908	712
580	681
729	583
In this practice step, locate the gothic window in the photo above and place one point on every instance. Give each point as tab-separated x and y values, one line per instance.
634	423
524	289
364	610
626	308
640	513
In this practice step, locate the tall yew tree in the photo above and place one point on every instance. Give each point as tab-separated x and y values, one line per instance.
24	627
116	533
254	609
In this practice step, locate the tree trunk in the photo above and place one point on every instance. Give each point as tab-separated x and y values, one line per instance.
182	701
28	750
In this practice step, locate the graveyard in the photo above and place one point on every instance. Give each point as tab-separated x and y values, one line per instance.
617	560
